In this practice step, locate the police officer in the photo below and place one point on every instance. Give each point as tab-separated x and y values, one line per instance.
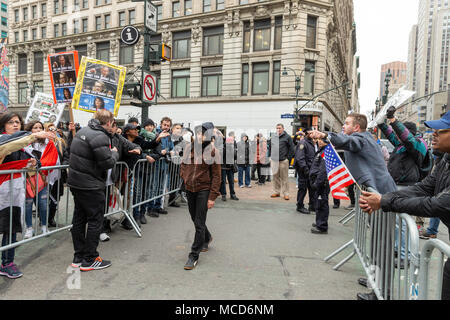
304	156
319	183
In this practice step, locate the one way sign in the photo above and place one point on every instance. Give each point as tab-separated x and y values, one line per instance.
151	16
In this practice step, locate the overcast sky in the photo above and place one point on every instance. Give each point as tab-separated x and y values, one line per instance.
382	33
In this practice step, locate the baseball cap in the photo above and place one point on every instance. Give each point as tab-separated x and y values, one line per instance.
443	123
128	127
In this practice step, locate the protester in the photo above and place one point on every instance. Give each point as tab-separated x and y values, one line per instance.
261	161
176	136
319	184
13	157
243	161
384	149
201	175
428	198
90	166
366	164
229	157
305	151
281	152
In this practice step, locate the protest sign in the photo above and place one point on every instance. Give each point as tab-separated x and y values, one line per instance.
43	109
4	75
63	67
99	86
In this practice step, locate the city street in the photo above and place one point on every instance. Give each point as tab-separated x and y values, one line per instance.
262	249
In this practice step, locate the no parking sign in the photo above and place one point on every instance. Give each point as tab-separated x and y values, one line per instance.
149	87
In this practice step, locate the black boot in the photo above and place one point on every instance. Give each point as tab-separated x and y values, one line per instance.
367	296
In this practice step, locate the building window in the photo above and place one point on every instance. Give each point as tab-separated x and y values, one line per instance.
76	5
159	9
43	9
16	15
243	1
213	41
58	50
310	67
155	40
180	83
64	6
187	7
38	62
260	78
82	52
16	37
38	86
122	18
311	29
25	35
63	29
98	23
43	32
220	4
126	55
276	77
85	4
175	9
131	17
25	14
22	97
103	51
107	21
278	32
98	2
247	36
4	34
34	12
211	81
4	21
84	24
107	1
206	5
181	44
4	7
33	34
262	35
76	26
56	7
244	79
22	60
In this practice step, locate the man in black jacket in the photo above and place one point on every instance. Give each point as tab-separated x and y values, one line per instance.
90	165
428	198
281	152
304	156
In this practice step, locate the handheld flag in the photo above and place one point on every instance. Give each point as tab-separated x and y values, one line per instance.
339	176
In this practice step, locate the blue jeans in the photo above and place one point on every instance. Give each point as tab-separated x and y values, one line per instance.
157	184
41	206
241	171
403	238
434	226
8	255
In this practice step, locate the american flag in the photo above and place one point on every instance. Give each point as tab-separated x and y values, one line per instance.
339	176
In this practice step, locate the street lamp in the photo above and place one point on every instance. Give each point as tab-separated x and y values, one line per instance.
387	79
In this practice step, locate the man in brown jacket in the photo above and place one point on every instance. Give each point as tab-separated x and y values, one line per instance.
201	173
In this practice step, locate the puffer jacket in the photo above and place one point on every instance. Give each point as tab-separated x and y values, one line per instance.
318	172
409	154
304	156
243	152
91	157
282	147
202	171
428	198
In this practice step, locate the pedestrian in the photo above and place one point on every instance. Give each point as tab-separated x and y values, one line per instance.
176	136
243	161
365	162
261	160
90	166
201	173
318	178
228	167
428	198
12	156
281	152
304	155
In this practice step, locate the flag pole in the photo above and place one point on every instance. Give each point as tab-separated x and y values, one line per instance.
360	189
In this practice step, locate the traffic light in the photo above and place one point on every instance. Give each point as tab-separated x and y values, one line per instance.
133	90
166	52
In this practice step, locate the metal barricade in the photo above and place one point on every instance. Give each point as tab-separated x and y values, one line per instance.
424	279
376	239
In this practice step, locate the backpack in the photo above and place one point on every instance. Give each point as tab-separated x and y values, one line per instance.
427	165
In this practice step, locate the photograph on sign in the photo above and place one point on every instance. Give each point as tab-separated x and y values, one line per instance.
44	109
99	86
4	72
63	68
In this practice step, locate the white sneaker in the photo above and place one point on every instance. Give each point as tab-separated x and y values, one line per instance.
44	229
104	237
249	186
28	233
241	186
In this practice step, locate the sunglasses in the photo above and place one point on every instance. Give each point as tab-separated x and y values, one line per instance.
51	129
442	131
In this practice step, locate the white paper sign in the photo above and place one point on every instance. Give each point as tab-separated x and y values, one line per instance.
396	100
44	110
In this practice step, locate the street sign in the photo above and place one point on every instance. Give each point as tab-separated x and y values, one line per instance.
287	116
149	87
151	16
129	35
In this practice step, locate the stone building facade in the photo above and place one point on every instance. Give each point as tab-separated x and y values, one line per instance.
228	57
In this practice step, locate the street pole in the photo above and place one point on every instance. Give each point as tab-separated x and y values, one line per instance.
146	64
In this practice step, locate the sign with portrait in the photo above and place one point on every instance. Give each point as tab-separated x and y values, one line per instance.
4	75
44	109
63	68
99	86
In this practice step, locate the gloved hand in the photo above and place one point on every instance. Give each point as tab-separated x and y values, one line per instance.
382	119
390	112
